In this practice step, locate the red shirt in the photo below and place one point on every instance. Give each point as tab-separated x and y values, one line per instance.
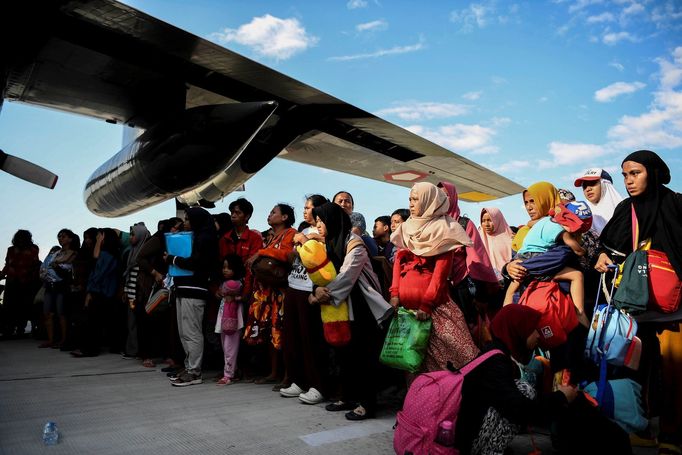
243	246
421	282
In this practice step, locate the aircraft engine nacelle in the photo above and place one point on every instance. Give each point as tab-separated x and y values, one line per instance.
174	157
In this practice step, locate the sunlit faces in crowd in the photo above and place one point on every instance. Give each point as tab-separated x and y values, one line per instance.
592	190
635	178
398	217
321	227
531	207
345	200
487	223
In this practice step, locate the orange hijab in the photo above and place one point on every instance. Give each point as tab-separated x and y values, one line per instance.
546	196
432	231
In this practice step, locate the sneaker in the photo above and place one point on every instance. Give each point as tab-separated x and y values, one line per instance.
176	375
224	381
312	396
187	379
292	391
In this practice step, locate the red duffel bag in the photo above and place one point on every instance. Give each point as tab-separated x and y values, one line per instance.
557	309
665	287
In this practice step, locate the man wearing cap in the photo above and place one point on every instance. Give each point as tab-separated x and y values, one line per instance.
602	197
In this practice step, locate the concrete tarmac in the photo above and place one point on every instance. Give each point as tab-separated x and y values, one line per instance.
107	405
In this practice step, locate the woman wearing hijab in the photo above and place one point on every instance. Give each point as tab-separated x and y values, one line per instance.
472	275
427	244
659	217
357	284
496	236
138	235
192	291
496	403
602	197
538	199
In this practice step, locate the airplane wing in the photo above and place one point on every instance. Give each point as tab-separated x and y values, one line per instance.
107	60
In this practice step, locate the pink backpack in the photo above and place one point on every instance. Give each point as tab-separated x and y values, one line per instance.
432	398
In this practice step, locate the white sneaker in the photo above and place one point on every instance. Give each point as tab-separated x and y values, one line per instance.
312	396
292	391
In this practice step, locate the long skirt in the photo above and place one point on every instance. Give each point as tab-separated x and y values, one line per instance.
450	339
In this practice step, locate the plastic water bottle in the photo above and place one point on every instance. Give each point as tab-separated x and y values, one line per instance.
446	434
50	434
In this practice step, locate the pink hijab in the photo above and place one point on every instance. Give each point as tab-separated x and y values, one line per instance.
474	260
497	244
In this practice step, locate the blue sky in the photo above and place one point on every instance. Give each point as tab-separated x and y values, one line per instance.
533	90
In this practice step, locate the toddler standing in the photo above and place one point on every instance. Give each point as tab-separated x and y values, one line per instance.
230	321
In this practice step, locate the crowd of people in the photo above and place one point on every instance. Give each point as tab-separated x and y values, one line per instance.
246	301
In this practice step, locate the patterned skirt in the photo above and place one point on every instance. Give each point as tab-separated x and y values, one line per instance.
264	322
450	339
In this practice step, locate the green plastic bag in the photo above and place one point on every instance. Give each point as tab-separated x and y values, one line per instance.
406	341
632	294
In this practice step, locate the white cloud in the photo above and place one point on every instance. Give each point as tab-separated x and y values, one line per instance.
461	138
377	25
661	126
510	166
270	36
634	8
498	80
616	89
381	52
671	72
476	15
355	4
667	15
472	96
568	154
414	110
617	66
615	38
500	121
603	17
581	4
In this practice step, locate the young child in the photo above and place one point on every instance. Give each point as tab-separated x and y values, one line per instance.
230	321
565	225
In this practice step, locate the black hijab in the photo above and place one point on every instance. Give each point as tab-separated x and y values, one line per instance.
658	209
338	227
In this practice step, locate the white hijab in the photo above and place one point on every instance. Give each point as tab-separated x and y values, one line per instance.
602	211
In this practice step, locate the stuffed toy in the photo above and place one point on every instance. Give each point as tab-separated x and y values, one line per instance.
335	319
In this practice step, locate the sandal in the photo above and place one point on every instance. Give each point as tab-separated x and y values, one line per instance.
339	406
225	381
266	380
148	363
359	413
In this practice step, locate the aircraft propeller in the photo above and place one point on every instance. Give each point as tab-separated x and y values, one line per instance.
27	171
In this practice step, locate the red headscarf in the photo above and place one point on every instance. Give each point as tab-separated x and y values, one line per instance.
512	325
